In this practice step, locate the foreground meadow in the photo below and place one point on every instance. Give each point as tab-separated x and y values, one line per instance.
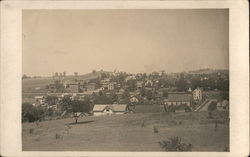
128	132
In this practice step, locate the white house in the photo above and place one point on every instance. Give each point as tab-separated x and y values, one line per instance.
149	83
139	84
131	77
111	86
107	109
197	94
40	99
133	99
223	105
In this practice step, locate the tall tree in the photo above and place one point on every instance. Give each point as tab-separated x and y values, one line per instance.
80	107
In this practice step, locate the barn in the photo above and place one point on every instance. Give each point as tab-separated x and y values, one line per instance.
108	109
179	98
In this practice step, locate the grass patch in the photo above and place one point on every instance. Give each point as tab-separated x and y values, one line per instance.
175	144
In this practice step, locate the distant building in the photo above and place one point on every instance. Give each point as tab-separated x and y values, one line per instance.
155	73
197	94
223	105
178	98
134	99
139	84
120	93
40	99
90	86
149	83
107	109
131	77
111	86
73	88
105	81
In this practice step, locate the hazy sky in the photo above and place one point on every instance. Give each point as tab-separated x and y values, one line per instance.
127	40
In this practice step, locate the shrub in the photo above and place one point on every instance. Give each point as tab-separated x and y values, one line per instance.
211	108
175	144
58	136
143	124
31	113
37	139
156	130
180	122
31	131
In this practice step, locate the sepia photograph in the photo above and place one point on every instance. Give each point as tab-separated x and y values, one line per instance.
125	80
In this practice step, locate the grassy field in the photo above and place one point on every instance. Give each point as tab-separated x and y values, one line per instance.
29	85
128	132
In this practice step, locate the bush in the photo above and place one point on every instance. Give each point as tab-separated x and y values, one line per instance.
143	124
31	131
156	130
31	113
58	136
175	144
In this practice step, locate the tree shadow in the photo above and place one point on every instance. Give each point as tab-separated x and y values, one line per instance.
83	122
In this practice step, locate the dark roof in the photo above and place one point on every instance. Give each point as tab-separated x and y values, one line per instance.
179	96
181	107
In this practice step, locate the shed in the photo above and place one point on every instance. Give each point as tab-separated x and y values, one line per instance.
107	109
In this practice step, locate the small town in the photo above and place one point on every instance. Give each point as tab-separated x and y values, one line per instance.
120	93
58	108
126	80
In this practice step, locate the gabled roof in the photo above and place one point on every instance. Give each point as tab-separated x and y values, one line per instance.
99	107
224	103
114	107
39	97
179	96
119	107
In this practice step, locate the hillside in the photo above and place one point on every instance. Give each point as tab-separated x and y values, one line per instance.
30	85
208	71
128	132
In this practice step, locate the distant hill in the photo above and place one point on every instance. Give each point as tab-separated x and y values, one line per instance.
38	85
207	71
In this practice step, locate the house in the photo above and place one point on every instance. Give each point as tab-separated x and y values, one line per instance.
139	84
111	86
223	105
105	81
189	89
82	87
52	87
133	99
155	73
159	95
179	98
120	108
73	88
120	93
131	77
90	86
107	109
149	83
40	99
197	94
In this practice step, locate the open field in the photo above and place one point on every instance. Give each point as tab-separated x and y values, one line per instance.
128	132
29	85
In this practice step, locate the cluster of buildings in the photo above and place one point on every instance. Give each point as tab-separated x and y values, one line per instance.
132	90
